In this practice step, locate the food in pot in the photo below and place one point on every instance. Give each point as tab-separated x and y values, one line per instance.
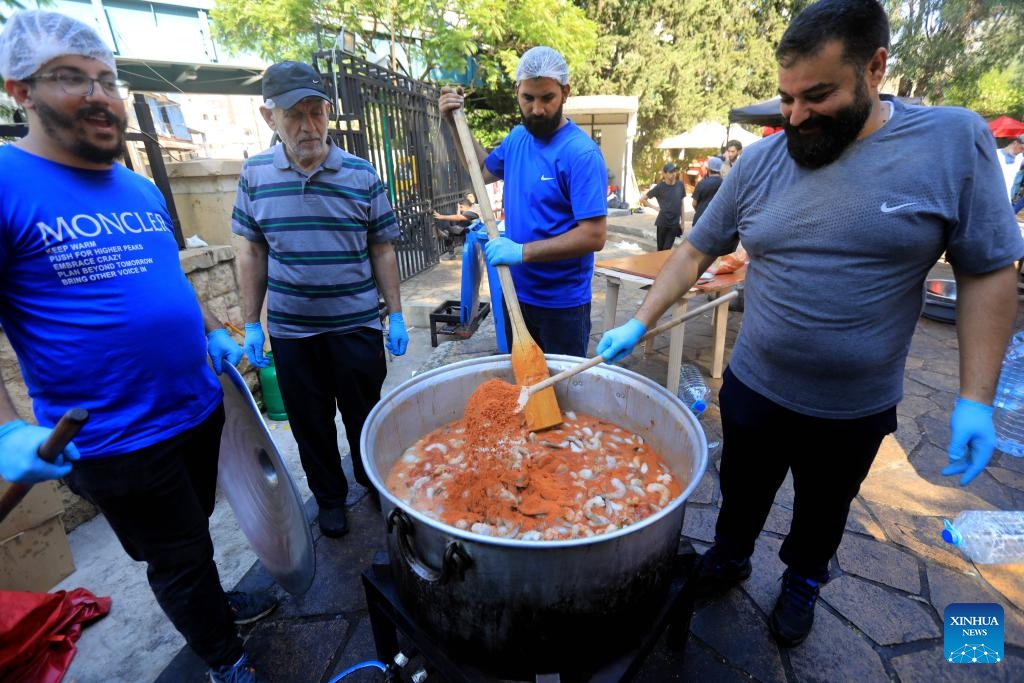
488	474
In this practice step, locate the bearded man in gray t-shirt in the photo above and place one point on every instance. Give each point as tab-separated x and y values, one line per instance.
833	292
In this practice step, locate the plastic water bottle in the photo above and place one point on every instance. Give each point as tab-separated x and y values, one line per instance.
1009	401
988	536
693	391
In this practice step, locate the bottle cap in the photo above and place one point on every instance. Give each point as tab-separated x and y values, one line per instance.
951	534
699	406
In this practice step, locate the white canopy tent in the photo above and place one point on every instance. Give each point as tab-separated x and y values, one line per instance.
708	135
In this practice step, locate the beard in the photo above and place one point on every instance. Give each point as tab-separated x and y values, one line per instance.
542	126
831	134
67	130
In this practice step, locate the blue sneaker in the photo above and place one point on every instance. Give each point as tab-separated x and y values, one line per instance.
239	672
793	615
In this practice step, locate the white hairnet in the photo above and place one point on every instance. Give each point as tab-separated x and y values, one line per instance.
542	62
32	38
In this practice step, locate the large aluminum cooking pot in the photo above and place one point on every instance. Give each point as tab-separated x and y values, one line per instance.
533	606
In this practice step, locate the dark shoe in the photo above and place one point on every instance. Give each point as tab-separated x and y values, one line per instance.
333	522
239	672
716	575
250	607
793	615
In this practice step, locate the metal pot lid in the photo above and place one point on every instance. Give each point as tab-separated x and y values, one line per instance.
943	291
260	490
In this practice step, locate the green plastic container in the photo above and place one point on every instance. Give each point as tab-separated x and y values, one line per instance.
272	401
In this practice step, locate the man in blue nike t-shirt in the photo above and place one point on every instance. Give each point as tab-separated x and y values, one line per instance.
555	203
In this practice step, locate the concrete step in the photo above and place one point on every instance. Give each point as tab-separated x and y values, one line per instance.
637	228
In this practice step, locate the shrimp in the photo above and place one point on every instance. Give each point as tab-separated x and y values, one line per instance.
662	491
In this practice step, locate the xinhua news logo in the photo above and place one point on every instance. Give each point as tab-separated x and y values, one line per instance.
973	633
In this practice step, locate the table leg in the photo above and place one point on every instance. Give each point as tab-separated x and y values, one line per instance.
721	320
611	303
675	347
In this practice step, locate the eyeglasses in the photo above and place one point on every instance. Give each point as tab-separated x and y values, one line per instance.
77	84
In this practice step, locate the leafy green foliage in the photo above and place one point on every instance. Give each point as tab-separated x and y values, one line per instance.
434	33
942	47
997	92
686	61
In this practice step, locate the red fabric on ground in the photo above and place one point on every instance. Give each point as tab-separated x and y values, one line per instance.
38	632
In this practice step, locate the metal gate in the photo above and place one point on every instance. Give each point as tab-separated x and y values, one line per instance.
392	121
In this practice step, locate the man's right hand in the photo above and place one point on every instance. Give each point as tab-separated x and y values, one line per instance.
19	454
450	99
618	343
253	345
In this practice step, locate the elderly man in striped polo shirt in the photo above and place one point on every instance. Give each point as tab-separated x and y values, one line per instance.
318	230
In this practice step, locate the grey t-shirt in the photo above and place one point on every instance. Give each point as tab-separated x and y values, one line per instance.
839	255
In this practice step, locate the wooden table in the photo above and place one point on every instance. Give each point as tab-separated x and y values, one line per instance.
641	270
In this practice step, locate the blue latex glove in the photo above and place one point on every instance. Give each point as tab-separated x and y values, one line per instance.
972	439
19	454
253	345
398	337
221	347
501	251
618	343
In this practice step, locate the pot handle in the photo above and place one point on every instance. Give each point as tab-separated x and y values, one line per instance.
454	563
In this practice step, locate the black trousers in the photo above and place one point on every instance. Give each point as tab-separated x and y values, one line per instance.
318	375
761	442
667	235
158	501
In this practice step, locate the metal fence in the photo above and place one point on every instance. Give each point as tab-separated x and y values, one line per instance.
392	121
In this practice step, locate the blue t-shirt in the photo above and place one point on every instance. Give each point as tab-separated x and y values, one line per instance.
839	254
551	184
96	306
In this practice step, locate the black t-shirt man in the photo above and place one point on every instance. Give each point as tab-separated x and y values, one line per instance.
670	194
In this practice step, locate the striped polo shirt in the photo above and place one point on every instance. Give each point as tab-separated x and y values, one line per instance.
317	229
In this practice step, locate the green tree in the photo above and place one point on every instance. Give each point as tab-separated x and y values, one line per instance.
942	46
434	33
997	92
686	61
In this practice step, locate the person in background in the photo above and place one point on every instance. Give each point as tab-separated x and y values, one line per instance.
706	188
318	232
455	224
670	194
147	456
1011	159
733	149
555	204
835	290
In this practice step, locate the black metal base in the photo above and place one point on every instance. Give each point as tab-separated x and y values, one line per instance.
942	312
388	617
446	319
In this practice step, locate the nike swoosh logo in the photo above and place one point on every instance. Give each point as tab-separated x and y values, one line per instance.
885	208
544	177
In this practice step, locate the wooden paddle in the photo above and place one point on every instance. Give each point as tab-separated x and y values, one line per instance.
528	391
528	362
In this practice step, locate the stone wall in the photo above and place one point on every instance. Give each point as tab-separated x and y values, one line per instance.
211	270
